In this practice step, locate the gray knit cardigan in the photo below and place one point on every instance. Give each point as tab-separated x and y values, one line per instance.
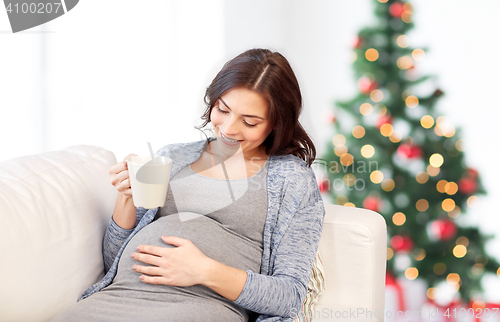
291	235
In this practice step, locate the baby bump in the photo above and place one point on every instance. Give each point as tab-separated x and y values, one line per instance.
209	236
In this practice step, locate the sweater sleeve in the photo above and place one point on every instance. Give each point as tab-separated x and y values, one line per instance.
115	235
114	238
282	292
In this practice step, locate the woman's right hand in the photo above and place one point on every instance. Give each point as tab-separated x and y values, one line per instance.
120	177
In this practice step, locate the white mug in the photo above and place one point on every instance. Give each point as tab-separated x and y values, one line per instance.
149	180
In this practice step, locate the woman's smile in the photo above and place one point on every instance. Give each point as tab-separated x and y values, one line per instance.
229	140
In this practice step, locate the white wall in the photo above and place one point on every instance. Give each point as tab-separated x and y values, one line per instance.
115	75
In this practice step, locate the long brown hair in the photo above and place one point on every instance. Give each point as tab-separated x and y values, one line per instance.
269	74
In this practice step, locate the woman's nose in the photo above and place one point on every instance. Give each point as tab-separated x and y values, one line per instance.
231	127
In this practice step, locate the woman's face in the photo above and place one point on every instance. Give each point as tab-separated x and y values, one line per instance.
243	115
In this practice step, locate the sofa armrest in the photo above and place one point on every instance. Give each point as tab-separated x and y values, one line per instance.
353	248
55	208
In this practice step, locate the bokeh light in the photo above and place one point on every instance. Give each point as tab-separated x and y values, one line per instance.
462	240
436	160
386	129
419	254
472	201
418	54
405	62
371	54
432	171
358	131
422	177
346	159
432	292
478	306
349	179
477	269
406	17
390	253
411	101
340	150
459	251
422	205
341	199
455	212
411	273
453	278
377	95
440	186
396	136
427	121
448	204
376	176
399	219
366	109
388	184
403	41
367	151
444	128
352	57
451	188
439	268
338	139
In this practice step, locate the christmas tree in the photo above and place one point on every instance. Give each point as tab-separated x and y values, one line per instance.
395	154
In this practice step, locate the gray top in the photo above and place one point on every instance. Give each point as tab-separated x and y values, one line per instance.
223	218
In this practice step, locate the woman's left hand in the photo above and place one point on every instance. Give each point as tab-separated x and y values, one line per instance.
184	265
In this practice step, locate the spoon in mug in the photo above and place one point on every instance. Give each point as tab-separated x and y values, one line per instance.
151	151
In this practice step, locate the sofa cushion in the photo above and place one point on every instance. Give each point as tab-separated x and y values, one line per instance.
54	210
314	290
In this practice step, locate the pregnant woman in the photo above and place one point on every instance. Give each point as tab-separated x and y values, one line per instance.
240	228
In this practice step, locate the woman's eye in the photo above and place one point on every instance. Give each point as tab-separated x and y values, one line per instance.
225	112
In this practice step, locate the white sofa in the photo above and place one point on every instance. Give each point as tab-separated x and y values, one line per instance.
54	210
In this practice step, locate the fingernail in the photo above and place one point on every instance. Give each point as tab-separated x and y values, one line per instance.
138	248
134	267
132	255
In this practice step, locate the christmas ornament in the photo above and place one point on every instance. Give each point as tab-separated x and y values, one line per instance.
358	42
437	93
396	9
401	243
324	185
372	203
386	118
467	185
410	151
366	85
472	173
443	229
